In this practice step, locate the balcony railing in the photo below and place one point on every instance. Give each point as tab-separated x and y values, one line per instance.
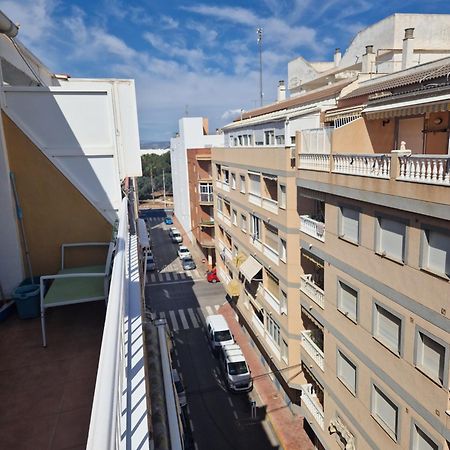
378	166
312	349
222	185
254	199
207	223
270	205
271	254
223	276
119	415
310	401
314	162
433	169
312	227
271	300
313	291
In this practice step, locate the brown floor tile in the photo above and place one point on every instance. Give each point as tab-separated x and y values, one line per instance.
72	429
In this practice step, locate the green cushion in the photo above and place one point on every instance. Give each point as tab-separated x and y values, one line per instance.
64	291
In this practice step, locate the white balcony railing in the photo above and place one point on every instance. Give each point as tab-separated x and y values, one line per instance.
313	291
271	254
314	161
433	169
223	276
270	205
375	165
206	197
312	349
272	300
312	227
310	401
254	199
119	415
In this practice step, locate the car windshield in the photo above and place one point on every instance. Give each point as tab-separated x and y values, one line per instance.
184	250
220	336
149	259
188	261
237	368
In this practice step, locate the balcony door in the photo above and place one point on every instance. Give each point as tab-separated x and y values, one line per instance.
410	130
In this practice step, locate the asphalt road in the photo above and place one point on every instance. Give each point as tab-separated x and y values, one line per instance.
217	418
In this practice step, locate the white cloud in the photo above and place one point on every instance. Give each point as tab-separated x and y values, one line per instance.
169	23
231	114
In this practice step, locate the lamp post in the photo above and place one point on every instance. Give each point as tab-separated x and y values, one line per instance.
259	33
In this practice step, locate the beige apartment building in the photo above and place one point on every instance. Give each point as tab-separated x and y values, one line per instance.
333	240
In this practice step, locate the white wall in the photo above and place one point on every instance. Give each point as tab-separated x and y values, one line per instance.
190	136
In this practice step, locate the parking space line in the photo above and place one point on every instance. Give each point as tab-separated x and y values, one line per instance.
210	311
193	318
183	319
174	321
167	275
230	402
216	307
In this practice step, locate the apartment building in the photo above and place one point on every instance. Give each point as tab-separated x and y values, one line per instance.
201	201
192	133
333	240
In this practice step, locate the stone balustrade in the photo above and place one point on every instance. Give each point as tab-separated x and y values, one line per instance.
434	169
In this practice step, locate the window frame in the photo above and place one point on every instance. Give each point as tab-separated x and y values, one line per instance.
282	250
244	223
377	236
340	233
234	216
446	358
281	204
424	244
352	390
242	186
339	281
394	435
233	180
412	442
397	352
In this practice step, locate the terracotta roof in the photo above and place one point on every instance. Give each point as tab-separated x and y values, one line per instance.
302	99
413	75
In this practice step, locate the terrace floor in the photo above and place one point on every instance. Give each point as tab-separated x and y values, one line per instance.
46	393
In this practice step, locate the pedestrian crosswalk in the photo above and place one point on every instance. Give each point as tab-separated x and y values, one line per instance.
155	219
163	277
189	318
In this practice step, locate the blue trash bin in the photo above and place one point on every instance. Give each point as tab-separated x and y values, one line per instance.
27	298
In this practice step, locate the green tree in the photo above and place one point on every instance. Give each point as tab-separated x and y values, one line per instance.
152	169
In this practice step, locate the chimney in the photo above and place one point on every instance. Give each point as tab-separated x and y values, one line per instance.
281	91
408	48
337	57
368	60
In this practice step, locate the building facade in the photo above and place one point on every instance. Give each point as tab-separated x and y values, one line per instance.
333	240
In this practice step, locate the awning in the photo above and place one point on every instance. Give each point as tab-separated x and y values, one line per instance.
234	288
344	113
249	268
270	176
314	259
408	108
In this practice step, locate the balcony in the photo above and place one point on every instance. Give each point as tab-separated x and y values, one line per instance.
270	205
316	140
314	161
254	199
223	185
221	216
312	348
312	227
206	199
375	165
270	299
206	223
432	169
312	404
271	254
314	292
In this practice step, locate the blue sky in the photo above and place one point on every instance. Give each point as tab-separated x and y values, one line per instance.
195	56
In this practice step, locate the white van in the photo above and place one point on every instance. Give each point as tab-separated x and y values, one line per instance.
219	333
235	369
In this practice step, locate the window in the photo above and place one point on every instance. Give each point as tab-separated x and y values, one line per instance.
387	328
235	141
226	176
273	329
283	251
255	227
436	252
421	441
254	184
242	184
271	237
284	351
347	301
206	192
233	181
269	137
430	357
282	202
272	284
240	140
391	238
385	411
219	204
283	302
219	171
234	217
349	224
346	372
280	139
244	223
231	140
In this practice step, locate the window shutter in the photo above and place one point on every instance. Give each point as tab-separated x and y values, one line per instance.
386	410
431	357
422	441
388	328
350	224
347	371
439	252
347	300
254	184
392	236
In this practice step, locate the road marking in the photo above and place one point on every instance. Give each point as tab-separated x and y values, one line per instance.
177	282
167	275
182	275
162	315
230	402
210	311
235	415
183	319
174	321
216	307
196	274
176	276
193	318
152	277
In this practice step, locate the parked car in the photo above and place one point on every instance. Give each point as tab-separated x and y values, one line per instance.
235	369
183	252
168	221
219	333
171	230
151	265
179	388
211	276
176	237
188	263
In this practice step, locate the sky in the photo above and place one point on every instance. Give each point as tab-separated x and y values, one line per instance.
193	58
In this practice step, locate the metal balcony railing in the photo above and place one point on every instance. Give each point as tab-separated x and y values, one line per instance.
312	348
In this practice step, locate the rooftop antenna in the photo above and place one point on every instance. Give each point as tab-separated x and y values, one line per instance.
259	33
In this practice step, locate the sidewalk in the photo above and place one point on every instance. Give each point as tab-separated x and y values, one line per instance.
287	427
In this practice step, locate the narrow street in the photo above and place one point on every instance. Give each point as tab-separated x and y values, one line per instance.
217	418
